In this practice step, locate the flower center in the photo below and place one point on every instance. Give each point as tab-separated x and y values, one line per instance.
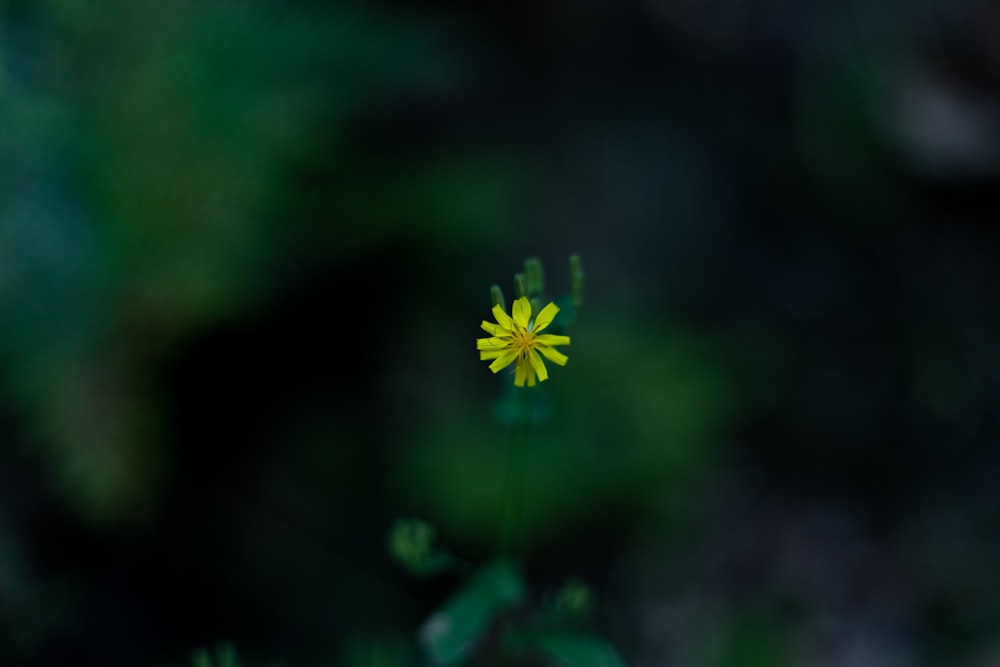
524	340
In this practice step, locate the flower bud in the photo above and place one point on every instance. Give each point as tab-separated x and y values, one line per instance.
520	288
496	298
534	276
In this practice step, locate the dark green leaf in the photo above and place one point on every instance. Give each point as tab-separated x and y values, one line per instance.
450	635
578	650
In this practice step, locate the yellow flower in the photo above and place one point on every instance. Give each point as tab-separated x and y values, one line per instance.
516	340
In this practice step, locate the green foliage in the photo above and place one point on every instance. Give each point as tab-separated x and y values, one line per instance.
574	600
636	427
576	650
488	616
411	543
451	634
224	656
376	654
809	299
454	633
494	598
160	199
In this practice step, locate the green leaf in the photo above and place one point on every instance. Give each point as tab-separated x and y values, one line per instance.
225	656
578	650
450	634
411	541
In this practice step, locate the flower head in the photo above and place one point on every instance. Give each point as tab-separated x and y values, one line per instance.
516	339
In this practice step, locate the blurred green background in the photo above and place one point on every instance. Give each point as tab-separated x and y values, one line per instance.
245	248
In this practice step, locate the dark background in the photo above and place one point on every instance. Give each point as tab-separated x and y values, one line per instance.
245	248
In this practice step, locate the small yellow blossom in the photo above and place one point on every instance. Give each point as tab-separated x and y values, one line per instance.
516	339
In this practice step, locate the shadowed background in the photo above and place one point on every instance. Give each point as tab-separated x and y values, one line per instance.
245	248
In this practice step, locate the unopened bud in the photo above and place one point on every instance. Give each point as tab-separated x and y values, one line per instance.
496	298
520	288
410	541
534	276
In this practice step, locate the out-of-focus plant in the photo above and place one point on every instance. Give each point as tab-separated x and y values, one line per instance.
411	543
520	334
223	656
150	165
491	618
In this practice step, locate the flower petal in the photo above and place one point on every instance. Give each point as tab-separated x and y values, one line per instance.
502	318
538	365
522	312
503	361
555	356
552	339
521	373
495	329
545	317
486	355
492	343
